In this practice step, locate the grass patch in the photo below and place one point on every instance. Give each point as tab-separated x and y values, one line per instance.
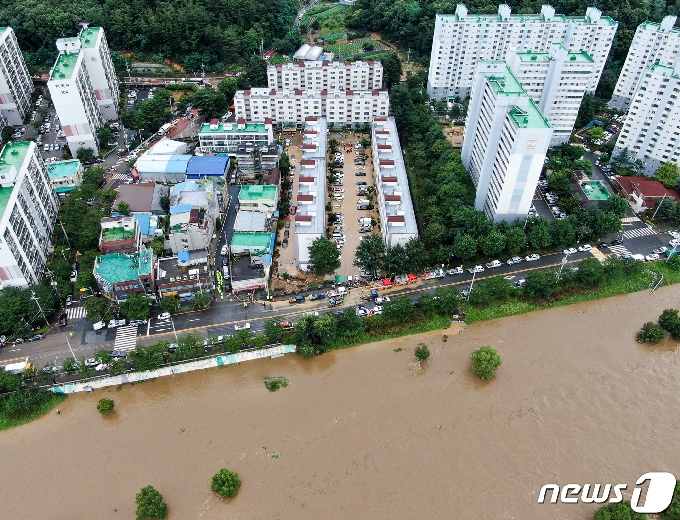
274	383
355	47
50	402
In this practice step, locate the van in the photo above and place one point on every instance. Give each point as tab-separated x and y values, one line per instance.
99	325
225	272
337	234
365	221
116	323
641	258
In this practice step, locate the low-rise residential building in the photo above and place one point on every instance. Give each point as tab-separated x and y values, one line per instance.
159	167
28	211
212	167
168	147
251	222
255	244
397	216
119	234
193	213
325	75
505	142
65	176
643	193
16	85
255	162
120	274
651	132
263	199
216	137
290	108
310	217
184	275
142	198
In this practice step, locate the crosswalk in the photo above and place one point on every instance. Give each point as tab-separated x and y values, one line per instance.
121	176
641	232
75	313
126	338
619	249
630	219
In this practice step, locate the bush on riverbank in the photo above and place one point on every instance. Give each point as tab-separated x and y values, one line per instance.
422	353
274	383
650	333
105	406
150	504
485	362
226	483
25	406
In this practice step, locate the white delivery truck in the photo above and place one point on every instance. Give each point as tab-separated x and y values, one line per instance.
164	129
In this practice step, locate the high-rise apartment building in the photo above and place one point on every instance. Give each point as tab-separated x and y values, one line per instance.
652	43
74	98
461	40
505	142
325	75
28	211
97	59
293	107
556	80
652	128
15	82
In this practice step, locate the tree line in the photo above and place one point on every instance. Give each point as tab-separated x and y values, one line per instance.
411	24
213	32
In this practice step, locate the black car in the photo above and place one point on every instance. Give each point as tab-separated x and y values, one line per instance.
360	174
286	233
616	242
416	303
603	244
63	320
36	337
117	353
285	242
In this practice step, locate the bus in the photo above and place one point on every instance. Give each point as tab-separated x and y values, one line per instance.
194	81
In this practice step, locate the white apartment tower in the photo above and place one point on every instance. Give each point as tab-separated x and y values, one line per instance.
652	43
292	107
28	211
74	98
652	129
16	86
461	40
324	75
557	81
505	142
97	59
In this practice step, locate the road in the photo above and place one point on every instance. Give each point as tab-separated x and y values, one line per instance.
302	12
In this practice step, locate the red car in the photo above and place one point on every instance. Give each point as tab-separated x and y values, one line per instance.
293	209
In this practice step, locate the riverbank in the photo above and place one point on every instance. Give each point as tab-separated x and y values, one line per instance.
362	432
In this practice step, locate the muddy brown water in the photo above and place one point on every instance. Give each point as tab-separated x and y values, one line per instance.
361	434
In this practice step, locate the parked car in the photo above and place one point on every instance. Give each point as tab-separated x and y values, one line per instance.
63	320
531	258
36	337
138	322
361	183
514	260
284	243
585	247
360	174
69	300
616	242
74	276
293	210
287	225
570	251
242	326
164	316
476	269
652	257
338	190
382	299
661	250
224	250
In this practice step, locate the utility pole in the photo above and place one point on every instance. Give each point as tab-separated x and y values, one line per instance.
659	206
408	56
69	347
35	299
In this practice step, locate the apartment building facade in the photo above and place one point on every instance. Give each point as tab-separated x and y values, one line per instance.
505	142
651	131
216	137
325	75
290	108
652	43
28	211
557	81
397	216
73	97
16	85
461	40
97	59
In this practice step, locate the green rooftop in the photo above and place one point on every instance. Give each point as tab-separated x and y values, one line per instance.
581	57
3	30
5	194
507	84
255	193
232	128
663	70
523	18
530	117
12	158
66	64
116	233
117	268
252	239
88	37
63	169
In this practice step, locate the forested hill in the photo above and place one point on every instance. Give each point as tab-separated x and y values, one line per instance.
411	23
221	31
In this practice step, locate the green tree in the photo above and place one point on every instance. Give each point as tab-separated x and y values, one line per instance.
105	406
227	87
485	361
104	136
540	283
136	307
157	245
169	304
98	309
606	223
370	253
422	352
398	309
395	260
349	324
590	272
650	333
392	70
492	244
617	205
516	241
146	358
201	299
618	511
257	71
586	112
150	504
314	335
540	236
85	154
668	174
324	256
448	300
225	483
273	329
596	132
210	102
10	382
123	208
416	256
672	512
562	233
464	247
670	322
189	346
6	135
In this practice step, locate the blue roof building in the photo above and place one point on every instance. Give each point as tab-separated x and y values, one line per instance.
207	166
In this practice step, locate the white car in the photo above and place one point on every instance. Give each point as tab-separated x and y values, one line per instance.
164	316
674	242
361	167
339	197
338	190
514	260
476	269
381	300
223	252
570	251
652	257
531	258
242	326
74	276
377	310
585	247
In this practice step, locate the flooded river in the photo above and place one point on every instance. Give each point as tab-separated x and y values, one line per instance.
361	434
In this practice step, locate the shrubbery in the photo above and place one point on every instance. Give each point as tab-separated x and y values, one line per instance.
150	504
485	361
422	352
650	333
226	483
105	406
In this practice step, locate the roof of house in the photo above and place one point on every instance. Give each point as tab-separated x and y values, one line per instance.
60	169
208	165
251	239
647	187
116	267
253	193
167	147
138	196
250	221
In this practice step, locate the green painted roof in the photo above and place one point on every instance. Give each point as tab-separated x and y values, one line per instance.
506	84
663	70
251	239
3	30
5	194
254	193
581	57
65	189
116	268
66	64
88	37
63	169
116	233
531	117
232	128
12	158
